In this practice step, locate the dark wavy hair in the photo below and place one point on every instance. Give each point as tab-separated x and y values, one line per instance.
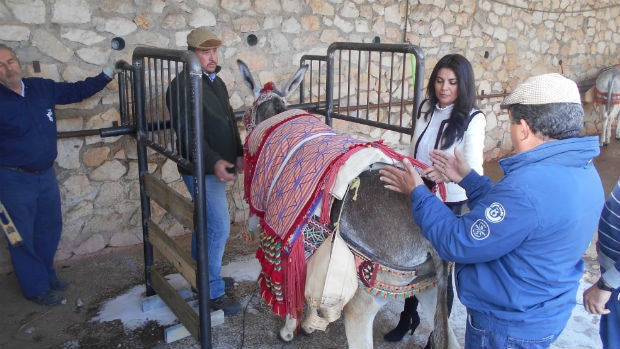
465	101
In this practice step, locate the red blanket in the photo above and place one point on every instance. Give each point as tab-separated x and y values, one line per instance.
287	160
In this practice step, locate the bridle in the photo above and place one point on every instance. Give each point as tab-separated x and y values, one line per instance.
266	94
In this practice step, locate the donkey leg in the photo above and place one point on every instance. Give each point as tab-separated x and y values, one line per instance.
359	315
606	128
287	332
615	114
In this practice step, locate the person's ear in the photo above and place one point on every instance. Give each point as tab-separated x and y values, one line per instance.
524	129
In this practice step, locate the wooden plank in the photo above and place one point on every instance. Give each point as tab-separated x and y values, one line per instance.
177	332
180	259
155	302
176	204
183	311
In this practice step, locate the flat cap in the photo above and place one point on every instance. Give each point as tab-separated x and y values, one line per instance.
544	89
203	39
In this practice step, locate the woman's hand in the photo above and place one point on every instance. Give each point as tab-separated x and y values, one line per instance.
401	180
435	173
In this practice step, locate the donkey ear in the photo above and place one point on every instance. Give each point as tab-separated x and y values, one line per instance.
248	79
295	81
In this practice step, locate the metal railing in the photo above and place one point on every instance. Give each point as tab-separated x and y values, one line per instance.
172	127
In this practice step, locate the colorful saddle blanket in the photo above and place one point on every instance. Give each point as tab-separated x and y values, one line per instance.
290	160
292	163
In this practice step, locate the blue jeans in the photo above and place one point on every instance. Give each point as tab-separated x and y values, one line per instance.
218	229
33	202
483	336
610	323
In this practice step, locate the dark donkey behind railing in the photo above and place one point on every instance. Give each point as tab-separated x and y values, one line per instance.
309	184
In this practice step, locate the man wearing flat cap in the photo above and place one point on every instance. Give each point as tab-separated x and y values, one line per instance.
518	251
224	156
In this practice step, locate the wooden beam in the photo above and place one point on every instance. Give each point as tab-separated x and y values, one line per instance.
179	258
183	311
176	204
177	332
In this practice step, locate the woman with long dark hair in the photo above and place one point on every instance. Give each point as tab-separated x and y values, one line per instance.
446	119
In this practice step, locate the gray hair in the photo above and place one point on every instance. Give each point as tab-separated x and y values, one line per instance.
5	47
553	120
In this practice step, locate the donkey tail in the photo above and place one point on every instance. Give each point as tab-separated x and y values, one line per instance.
439	336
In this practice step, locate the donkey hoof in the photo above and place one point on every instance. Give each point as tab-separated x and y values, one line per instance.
286	335
307	328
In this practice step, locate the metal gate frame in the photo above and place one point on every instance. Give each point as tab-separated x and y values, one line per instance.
155	129
143	104
335	103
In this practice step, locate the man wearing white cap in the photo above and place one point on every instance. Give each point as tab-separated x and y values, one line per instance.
518	251
223	156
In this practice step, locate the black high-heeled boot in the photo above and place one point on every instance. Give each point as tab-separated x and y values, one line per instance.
409	320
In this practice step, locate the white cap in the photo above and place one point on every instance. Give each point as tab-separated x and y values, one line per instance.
544	89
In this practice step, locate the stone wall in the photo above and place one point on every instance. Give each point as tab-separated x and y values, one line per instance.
506	41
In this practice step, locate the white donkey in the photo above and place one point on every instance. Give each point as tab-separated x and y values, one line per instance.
606	96
391	258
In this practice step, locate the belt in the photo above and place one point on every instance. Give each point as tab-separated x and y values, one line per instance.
23	170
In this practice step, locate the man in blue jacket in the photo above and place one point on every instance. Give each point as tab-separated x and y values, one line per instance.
28	187
518	252
604	297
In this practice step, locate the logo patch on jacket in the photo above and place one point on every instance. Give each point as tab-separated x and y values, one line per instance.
495	213
49	115
480	230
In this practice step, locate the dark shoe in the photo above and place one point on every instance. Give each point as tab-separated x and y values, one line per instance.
405	324
229	283
48	299
227	304
58	285
409	320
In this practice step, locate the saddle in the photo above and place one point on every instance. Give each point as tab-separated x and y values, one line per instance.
378	227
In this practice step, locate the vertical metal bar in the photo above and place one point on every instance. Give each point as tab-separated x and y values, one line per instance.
379	87
318	86
349	81
303	83
145	202
173	120
150	97
329	92
402	89
357	95
187	132
161	104
419	78
200	207
389	115
368	86
122	97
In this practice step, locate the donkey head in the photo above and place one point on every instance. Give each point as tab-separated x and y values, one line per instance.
268	100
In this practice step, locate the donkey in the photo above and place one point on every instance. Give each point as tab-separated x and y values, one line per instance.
607	100
391	257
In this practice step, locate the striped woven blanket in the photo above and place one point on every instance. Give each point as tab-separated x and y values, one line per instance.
292	162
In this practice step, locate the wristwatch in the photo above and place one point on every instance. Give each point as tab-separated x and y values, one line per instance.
603	286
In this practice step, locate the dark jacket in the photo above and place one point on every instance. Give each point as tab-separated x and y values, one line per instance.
609	239
28	124
222	139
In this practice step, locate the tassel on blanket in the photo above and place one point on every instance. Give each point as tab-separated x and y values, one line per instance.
295	279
